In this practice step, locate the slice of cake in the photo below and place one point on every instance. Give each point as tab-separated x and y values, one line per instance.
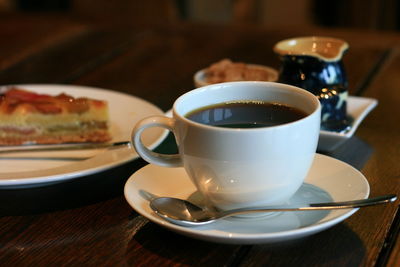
31	118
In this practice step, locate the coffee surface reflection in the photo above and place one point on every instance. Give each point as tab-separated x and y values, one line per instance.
248	114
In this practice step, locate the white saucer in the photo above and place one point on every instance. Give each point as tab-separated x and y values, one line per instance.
329	180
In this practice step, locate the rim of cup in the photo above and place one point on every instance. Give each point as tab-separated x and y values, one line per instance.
226	85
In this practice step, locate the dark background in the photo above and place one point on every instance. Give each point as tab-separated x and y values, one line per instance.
368	14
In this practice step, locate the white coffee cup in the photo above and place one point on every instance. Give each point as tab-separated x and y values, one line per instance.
239	167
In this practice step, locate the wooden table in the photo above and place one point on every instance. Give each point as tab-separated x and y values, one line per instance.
88	222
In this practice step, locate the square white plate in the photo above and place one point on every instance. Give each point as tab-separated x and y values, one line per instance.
358	108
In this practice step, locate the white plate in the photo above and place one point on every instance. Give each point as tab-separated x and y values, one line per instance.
124	110
328	180
358	108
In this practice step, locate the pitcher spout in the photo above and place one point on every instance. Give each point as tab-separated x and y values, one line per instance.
324	48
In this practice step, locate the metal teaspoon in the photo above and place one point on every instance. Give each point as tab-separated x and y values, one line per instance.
182	212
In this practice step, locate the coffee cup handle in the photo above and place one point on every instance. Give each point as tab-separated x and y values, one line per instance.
165	160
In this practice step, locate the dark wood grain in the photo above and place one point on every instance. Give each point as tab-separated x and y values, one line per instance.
165	60
382	131
339	246
87	222
69	57
392	256
107	234
23	36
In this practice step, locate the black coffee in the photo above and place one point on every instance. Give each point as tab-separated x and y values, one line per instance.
249	114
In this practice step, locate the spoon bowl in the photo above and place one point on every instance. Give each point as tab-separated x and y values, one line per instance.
185	213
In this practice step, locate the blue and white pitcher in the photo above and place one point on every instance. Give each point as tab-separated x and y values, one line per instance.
315	64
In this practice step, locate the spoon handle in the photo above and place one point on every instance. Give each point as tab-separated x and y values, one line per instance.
357	203
316	206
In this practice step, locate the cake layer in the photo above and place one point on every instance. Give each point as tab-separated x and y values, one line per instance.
93	136
20	118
